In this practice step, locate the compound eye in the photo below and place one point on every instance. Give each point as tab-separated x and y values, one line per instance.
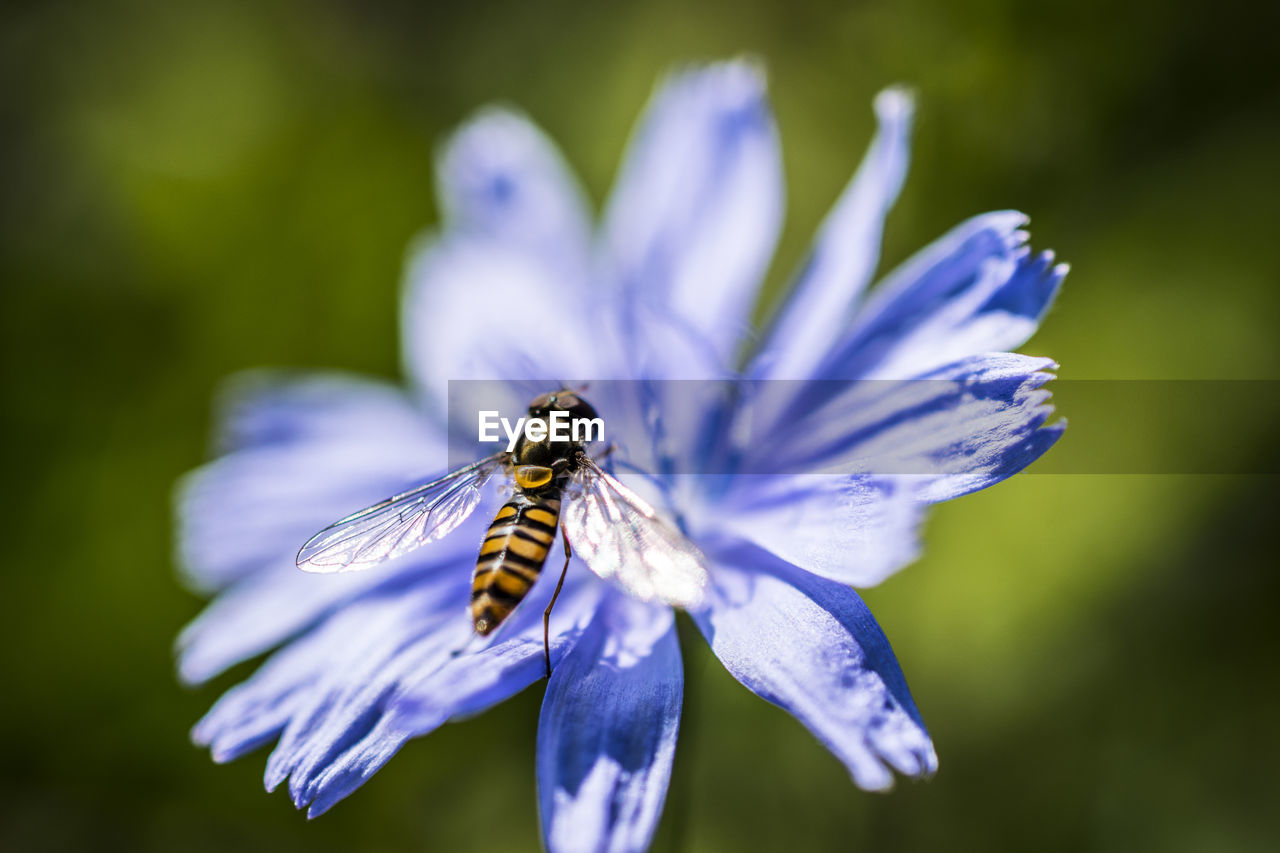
582	409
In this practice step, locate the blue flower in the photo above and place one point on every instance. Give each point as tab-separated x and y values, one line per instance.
517	285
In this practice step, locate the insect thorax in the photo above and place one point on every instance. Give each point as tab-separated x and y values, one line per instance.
559	455
545	452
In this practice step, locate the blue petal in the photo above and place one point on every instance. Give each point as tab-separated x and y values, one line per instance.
345	696
810	646
492	295
954	430
975	290
462	686
310	672
607	734
263	407
844	257
264	610
310	450
307	451
478	308
851	529
254	712
696	211
391	640
500	177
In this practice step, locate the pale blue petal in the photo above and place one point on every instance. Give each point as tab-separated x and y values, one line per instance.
262	611
696	211
305	673
254	712
607	734
811	646
389	668
262	407
356	764
459	687
857	530
253	509
953	431
306	451
844	257
478	308
379	666
977	289
999	311
473	682
501	178
503	291
250	511
390	640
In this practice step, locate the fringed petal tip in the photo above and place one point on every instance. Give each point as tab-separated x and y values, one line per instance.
918	764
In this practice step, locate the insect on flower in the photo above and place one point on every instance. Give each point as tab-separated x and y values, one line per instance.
773	473
619	536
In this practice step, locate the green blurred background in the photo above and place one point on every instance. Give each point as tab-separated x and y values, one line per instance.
191	189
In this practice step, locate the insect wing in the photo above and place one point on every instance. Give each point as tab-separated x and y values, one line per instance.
399	524
623	540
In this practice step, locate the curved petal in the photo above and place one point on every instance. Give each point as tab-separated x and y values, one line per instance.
480	309
953	431
343	698
272	407
696	210
462	686
306	450
607	734
503	291
311	450
999	311
267	608
810	646
976	289
856	530
500	177
844	257
390	640
286	686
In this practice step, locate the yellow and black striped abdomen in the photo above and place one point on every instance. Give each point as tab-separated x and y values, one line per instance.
511	557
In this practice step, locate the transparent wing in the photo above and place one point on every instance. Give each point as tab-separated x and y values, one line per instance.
623	540
399	524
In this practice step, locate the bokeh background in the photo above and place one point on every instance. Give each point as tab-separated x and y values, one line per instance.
191	189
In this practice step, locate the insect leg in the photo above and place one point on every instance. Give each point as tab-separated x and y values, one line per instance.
546	614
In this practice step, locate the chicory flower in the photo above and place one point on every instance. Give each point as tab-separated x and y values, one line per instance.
517	285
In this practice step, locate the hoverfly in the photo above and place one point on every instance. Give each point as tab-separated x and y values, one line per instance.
556	484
